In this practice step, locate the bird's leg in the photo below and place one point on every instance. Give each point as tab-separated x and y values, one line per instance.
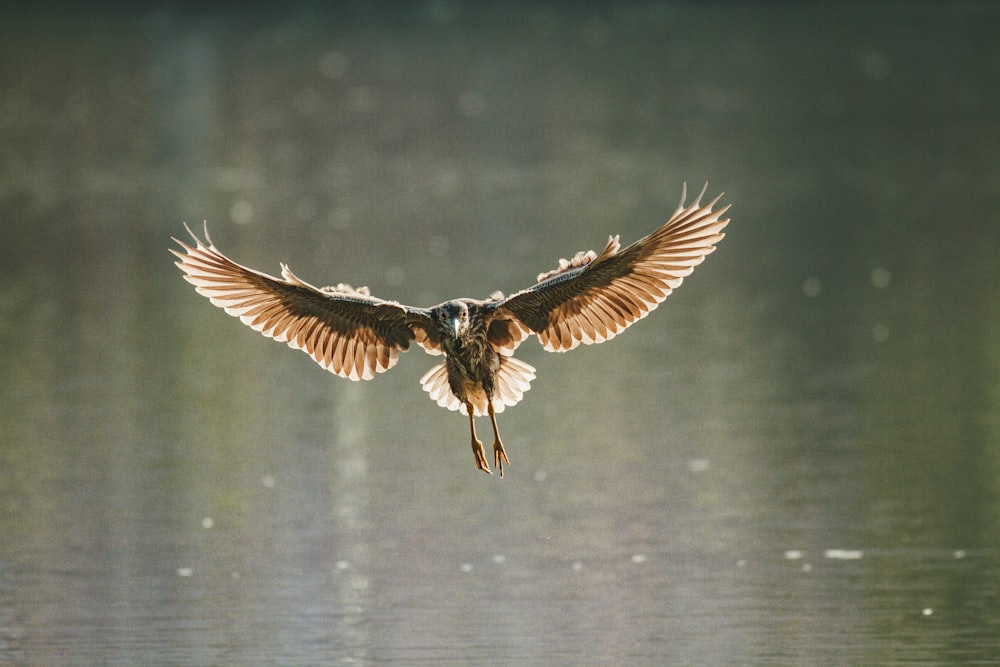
477	446
499	455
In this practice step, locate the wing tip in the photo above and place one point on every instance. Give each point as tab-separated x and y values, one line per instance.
696	203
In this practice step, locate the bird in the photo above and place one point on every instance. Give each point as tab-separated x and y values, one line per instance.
587	299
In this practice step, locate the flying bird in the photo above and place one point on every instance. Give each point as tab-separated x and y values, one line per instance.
588	299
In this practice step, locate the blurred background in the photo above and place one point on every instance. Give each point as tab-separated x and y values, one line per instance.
796	460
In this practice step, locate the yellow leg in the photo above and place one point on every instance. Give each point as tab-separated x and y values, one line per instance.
477	447
499	455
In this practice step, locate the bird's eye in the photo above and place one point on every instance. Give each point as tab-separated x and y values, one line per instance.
464	315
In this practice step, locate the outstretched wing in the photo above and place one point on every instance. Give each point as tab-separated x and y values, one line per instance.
592	298
346	331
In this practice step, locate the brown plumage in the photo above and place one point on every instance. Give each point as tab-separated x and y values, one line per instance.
588	299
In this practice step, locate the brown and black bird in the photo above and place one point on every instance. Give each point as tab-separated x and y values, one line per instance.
588	299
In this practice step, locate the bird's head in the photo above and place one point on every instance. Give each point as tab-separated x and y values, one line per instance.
452	318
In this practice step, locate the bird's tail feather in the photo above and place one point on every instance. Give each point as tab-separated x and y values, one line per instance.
512	380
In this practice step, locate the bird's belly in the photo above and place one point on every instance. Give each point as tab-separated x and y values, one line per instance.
473	392
467	388
463	386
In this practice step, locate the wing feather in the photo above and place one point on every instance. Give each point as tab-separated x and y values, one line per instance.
593	297
346	331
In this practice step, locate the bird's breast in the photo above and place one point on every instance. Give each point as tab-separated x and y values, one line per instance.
470	355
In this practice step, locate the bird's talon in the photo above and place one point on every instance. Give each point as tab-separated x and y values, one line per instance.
480	453
499	456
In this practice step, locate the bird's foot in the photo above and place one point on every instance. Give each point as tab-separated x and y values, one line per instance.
480	453
499	456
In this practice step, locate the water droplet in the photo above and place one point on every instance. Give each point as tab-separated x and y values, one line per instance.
811	287
881	277
699	465
241	212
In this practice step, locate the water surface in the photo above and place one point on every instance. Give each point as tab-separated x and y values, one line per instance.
793	461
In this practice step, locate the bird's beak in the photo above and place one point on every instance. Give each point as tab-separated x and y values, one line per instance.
456	322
